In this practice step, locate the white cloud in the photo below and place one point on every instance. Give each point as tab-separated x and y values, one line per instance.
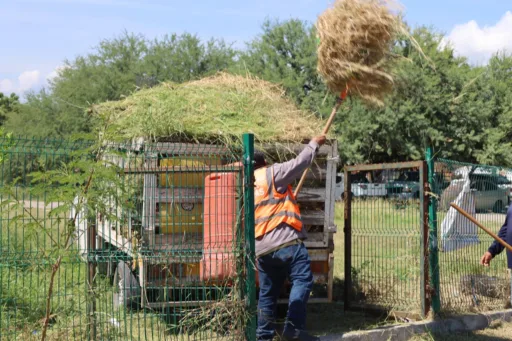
480	43
6	86
26	80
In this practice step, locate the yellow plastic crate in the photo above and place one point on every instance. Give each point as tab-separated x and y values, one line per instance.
184	178
184	217
176	219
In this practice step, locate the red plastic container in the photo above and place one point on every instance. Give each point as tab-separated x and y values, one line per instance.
219	226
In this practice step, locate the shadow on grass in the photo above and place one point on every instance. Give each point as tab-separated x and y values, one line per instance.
330	318
324	319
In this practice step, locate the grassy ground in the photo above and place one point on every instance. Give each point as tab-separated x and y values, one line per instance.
28	239
386	260
386	271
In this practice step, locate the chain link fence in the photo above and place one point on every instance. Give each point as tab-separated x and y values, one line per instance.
124	241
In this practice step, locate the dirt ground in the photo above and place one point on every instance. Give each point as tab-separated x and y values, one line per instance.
498	331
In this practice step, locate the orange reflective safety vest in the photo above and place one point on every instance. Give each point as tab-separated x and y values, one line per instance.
271	207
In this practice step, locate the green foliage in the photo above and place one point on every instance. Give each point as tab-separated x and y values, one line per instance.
9	105
218	109
43	116
285	53
497	149
116	68
439	99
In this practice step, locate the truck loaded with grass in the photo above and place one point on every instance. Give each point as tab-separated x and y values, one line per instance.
153	226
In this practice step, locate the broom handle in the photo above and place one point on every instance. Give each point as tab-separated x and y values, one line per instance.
339	100
490	233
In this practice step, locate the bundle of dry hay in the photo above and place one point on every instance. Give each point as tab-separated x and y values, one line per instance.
216	109
355	39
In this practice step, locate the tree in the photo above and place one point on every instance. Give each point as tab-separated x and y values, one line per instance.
119	66
43	116
183	58
497	149
9	105
439	100
116	68
285	53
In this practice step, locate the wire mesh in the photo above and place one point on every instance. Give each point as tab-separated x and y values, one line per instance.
121	241
386	249
483	191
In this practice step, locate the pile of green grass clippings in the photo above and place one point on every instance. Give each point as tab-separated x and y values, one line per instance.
217	109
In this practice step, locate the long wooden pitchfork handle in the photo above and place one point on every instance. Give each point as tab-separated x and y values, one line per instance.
490	233
339	100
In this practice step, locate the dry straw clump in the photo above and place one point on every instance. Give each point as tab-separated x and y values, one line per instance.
215	109
356	37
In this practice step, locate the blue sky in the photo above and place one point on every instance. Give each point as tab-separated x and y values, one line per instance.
39	34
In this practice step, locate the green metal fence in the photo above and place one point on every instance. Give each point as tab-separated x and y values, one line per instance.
386	238
483	191
126	241
407	250
154	241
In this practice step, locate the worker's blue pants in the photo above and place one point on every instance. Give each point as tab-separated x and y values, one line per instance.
291	262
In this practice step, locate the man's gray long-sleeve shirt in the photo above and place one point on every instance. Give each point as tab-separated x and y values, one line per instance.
284	174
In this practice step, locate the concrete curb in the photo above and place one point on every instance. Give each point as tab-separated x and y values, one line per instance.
406	331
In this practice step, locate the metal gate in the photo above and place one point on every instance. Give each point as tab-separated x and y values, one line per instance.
386	237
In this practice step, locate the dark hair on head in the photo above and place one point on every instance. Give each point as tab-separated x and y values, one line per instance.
259	159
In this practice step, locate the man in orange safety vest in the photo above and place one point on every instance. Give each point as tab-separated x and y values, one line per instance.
280	251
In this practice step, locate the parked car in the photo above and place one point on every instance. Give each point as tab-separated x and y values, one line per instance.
499	180
360	186
406	186
364	188
489	194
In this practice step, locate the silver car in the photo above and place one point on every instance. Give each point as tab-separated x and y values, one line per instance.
488	195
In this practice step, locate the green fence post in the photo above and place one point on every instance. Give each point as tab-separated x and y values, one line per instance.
433	242
250	259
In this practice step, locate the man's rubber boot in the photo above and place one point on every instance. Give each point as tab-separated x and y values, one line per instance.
298	335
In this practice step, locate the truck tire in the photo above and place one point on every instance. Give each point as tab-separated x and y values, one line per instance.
127	291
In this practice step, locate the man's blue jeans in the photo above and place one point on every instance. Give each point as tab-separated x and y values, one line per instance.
291	262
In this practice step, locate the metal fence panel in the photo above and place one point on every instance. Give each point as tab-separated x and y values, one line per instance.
122	242
483	191
385	237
